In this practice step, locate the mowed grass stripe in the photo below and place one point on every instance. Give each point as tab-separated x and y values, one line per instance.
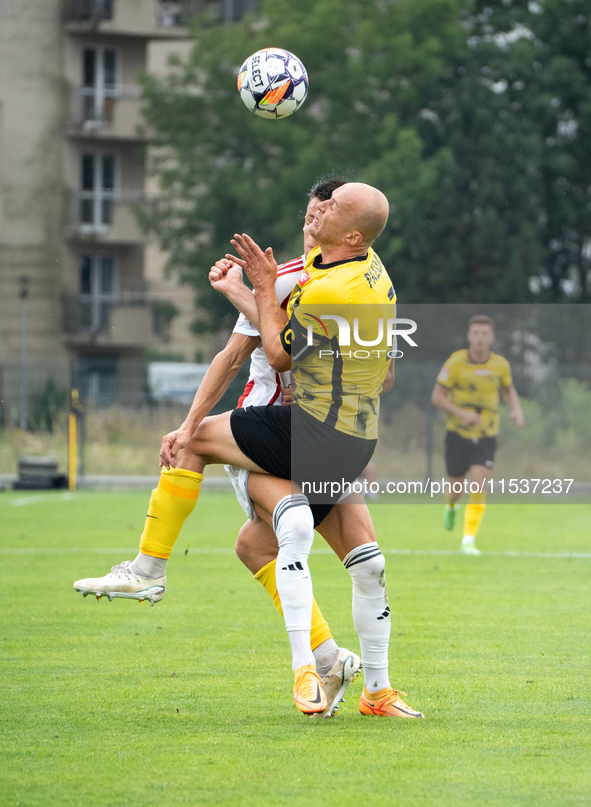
189	702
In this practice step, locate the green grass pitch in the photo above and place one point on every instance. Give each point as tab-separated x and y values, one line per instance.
189	702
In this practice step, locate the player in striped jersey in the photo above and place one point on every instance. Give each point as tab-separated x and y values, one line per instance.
264	384
365	563
337	666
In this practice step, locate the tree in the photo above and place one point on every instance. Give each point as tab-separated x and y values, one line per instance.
422	98
546	75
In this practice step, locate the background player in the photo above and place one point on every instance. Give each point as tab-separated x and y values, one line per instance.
467	389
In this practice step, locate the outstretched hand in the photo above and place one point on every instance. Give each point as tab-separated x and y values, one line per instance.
260	266
224	274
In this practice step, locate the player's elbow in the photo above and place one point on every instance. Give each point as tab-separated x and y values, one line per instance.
280	362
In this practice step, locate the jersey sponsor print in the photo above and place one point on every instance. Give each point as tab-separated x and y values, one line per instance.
346	306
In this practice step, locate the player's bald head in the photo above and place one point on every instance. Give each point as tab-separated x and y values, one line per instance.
366	209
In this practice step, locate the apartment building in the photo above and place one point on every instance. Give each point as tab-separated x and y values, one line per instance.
77	275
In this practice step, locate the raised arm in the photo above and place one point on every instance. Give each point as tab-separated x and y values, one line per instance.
216	381
261	269
226	277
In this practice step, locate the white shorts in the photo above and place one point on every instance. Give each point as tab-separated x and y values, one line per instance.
239	479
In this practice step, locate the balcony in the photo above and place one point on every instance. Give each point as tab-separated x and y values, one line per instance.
106	112
88	10
118	320
109	218
166	19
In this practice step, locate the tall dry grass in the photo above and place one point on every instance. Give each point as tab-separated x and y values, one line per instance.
125	442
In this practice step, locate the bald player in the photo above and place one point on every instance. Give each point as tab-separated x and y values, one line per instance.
334	411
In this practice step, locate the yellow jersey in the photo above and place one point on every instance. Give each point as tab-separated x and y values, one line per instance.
341	315
475	386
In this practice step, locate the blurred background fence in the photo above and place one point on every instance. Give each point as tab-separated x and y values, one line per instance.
126	407
128	404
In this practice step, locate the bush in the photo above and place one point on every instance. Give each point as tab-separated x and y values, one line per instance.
48	405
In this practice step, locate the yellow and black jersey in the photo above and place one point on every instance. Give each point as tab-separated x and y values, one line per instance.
475	386
340	317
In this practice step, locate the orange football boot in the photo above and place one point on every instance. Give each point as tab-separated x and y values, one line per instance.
308	694
387	703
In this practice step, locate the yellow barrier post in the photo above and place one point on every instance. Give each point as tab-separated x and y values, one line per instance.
73	441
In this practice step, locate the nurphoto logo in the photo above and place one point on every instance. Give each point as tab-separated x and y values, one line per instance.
394	328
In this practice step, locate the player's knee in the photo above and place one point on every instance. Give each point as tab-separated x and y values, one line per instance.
367	568
195	449
372	568
300	530
188	459
293	522
244	546
203	441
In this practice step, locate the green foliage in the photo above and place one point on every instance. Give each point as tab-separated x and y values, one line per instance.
165	310
163	313
547	73
48	405
446	105
558	419
151	354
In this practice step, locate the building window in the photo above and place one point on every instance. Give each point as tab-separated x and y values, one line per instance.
227	11
100	85
88	10
170	12
97	190
96	376
98	291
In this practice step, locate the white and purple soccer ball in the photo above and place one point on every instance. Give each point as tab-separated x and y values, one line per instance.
273	83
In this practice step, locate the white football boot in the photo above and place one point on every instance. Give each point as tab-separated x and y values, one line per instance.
123	582
336	681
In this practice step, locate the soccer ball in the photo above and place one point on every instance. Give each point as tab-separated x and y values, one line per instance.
273	83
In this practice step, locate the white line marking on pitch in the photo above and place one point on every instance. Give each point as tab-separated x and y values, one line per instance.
228	551
36	499
509	554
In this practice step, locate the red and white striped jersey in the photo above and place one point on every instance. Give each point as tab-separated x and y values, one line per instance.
265	386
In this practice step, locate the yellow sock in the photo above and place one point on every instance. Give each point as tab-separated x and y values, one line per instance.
320	631
170	504
474	512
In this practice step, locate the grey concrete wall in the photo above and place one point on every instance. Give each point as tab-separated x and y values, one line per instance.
33	94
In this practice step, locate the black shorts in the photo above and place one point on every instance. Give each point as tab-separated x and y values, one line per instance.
288	443
461	453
